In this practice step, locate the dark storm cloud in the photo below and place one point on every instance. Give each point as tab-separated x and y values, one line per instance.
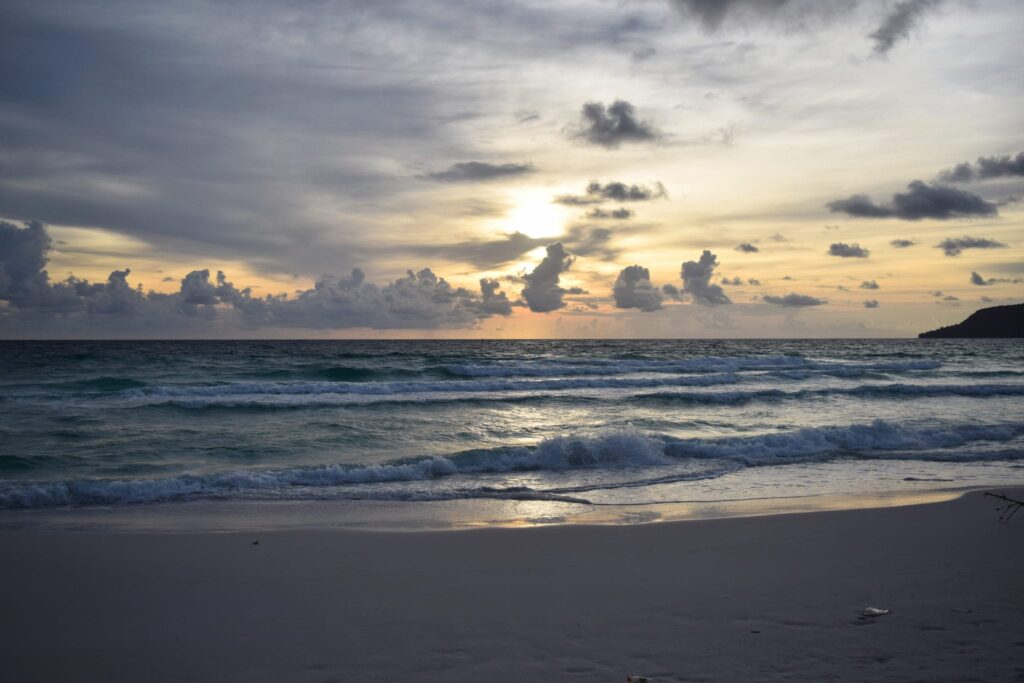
898	24
542	293
985	168
633	289
34	303
696	276
793	300
977	279
477	171
844	250
954	246
620	214
615	191
921	200
871	303
902	244
612	126
747	248
869	284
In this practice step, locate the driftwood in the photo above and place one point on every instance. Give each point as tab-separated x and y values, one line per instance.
1011	507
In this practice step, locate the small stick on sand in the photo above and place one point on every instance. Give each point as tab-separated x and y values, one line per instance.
1010	509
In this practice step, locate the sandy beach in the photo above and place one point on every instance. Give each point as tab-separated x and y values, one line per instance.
757	598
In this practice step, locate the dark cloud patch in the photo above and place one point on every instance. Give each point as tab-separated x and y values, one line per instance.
977	279
23	256
696	276
845	250
633	289
898	24
587	241
921	200
753	282
985	168
747	248
778	237
612	126
902	244
871	303
732	281
643	54
954	246
793	300
615	191
420	300
619	214
869	284
478	171
542	293
485	254
713	14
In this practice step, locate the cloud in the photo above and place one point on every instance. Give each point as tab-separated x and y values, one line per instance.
793	300
420	300
869	284
902	244
871	303
747	248
485	254
596	193
696	276
477	171
898	24
778	237
712	14
754	282
954	246
920	201
586	241
612	126
844	250
619	214
542	293
734	281
978	280
633	289
23	256
985	168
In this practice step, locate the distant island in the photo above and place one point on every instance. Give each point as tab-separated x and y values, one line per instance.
996	321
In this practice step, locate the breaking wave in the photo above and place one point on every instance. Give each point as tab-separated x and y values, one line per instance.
626	450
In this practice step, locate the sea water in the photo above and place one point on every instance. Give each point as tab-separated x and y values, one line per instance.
406	423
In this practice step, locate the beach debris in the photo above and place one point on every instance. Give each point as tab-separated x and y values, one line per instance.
1008	510
874	612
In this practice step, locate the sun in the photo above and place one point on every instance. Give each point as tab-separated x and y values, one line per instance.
533	214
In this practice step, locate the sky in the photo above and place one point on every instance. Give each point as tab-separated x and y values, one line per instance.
498	169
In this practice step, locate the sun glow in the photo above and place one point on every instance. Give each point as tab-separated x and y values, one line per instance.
534	214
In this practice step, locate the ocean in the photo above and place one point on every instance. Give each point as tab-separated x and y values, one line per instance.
579	423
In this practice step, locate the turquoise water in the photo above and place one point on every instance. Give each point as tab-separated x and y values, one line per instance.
129	423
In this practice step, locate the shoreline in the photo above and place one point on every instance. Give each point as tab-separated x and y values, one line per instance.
373	516
767	598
